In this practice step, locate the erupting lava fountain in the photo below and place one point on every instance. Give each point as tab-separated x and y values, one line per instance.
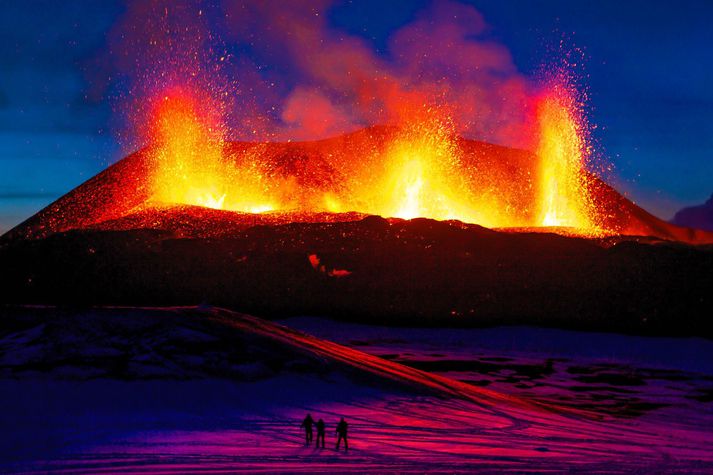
418	169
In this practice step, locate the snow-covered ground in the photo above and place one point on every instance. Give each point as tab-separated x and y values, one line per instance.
615	375
402	419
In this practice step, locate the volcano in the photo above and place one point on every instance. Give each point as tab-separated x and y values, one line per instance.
111	242
120	198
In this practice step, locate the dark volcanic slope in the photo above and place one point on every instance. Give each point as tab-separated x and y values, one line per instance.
395	272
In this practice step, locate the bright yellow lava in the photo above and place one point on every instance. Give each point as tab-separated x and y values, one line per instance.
419	172
190	167
563	196
421	180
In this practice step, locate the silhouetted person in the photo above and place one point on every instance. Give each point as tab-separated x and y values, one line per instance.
342	428
320	432
307	424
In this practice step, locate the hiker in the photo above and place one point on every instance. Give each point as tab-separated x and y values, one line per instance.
307	424
342	428
320	432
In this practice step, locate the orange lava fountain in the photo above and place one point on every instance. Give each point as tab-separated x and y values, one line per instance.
564	199
421	178
419	171
190	167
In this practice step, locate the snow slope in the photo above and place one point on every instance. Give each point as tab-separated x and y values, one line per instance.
208	419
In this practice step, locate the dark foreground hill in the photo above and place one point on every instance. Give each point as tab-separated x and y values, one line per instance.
419	272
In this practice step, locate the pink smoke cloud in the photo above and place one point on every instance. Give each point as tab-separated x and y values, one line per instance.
441	60
296	77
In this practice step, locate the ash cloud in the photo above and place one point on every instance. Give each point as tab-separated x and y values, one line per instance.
442	60
280	70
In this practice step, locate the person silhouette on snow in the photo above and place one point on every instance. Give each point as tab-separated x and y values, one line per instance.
320	432
307	424
342	429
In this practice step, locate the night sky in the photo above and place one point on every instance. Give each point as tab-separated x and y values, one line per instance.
649	70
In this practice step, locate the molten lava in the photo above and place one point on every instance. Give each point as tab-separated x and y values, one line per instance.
418	170
423	179
564	198
190	167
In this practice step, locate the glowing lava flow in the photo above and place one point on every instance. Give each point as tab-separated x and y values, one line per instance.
564	199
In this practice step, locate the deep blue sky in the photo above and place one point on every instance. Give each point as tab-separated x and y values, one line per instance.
649	65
